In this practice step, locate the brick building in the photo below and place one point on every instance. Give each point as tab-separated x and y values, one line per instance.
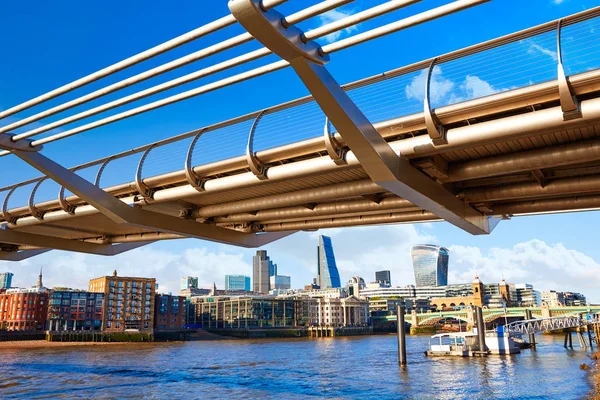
128	302
71	310
24	309
169	312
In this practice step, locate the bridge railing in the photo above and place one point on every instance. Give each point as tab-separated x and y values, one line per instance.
548	324
510	62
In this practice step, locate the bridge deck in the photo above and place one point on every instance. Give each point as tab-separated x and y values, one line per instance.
509	151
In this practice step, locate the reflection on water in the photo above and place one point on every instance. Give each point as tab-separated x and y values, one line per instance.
348	368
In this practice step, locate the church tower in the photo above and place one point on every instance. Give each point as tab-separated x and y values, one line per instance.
478	292
39	282
504	292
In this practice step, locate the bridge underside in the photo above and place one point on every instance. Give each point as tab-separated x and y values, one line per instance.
507	154
531	150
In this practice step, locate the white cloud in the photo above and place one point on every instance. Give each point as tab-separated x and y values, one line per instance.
439	87
475	87
536	48
76	269
336	15
545	266
558	1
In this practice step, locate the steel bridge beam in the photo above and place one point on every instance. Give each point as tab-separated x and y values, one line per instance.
121	213
30	239
20	255
388	170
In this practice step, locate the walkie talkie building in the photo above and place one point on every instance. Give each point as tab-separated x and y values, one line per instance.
430	264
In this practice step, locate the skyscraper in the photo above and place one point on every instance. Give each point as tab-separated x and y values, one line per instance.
262	267
383	277
430	264
188	282
328	275
5	280
237	282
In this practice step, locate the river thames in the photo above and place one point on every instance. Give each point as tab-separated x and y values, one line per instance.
341	368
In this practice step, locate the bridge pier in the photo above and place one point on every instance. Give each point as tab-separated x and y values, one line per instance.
528	316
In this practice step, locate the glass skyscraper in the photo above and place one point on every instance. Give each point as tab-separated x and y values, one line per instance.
430	264
237	282
328	275
5	280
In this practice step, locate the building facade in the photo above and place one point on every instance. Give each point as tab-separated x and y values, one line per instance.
6	280
169	312
251	312
237	282
23	310
262	267
280	282
430	265
188	282
383	277
128	302
327	271
553	298
74	310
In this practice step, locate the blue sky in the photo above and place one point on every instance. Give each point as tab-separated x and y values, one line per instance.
53	43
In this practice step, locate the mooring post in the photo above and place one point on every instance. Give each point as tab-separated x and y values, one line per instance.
589	332
528	316
480	328
401	335
570	339
566	339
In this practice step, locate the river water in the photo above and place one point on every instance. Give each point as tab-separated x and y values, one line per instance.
342	368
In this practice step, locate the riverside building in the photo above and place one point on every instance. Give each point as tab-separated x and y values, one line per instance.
128	302
74	310
24	309
169	312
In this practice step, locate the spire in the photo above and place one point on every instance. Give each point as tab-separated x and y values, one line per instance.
476	280
39	282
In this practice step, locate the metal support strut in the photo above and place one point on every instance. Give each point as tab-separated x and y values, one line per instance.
335	151
255	165
435	129
140	186
194	180
387	169
568	101
31	202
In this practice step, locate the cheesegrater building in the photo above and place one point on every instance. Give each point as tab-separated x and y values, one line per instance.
328	274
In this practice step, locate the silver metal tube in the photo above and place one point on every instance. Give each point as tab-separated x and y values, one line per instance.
440	11
410	217
305	196
420	18
136	59
340	207
547	157
568	186
582	203
196	56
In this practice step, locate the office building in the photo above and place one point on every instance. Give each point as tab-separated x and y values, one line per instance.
383	277
128	302
74	310
169	312
553	298
237	282
430	265
188	282
574	299
262	267
526	296
6	280
280	282
328	275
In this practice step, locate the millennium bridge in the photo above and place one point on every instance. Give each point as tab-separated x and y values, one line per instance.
503	128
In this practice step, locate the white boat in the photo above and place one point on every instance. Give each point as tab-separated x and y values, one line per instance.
466	344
